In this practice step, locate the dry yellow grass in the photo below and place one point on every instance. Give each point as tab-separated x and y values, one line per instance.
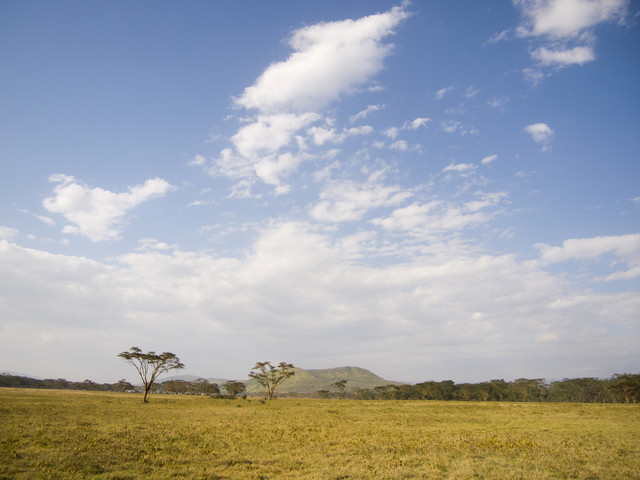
63	434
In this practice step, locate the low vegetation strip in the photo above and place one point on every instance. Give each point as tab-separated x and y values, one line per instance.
360	384
103	435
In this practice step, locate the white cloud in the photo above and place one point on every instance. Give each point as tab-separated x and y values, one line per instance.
42	218
322	135
230	164
540	133
576	55
498	103
145	244
97	213
459	167
488	159
566	30
625	247
442	92
392	132
471	92
8	233
272	170
329	59
498	37
242	189
454	126
365	113
348	201
433	310
567	18
418	122
632	273
399	145
198	160
424	220
450	126
269	133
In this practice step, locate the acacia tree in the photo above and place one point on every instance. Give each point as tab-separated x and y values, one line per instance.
202	386
150	365
234	388
342	388
270	376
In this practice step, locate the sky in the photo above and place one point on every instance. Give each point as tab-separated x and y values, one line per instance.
428	190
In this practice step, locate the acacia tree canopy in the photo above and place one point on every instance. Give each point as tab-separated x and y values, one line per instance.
341	385
270	376
150	365
234	388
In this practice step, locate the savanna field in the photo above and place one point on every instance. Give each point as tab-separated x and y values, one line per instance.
70	434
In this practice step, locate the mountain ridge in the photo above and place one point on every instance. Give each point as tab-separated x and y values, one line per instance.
309	380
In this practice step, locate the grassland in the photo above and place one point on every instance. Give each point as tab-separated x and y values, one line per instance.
66	434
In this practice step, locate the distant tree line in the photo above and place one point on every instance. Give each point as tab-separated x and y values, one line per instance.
17	381
200	386
620	388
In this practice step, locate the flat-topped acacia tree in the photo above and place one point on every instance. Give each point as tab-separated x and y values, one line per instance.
342	388
150	365
270	376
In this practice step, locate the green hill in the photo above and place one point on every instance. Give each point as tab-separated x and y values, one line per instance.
309	381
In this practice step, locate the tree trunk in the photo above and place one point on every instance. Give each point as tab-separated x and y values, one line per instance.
147	388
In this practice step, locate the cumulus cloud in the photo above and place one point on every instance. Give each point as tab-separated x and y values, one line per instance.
97	213
400	145
273	170
565	29
8	233
450	126
575	55
269	133
540	133
298	279
348	201
392	132
424	220
625	247
198	160
567	18
322	135
329	59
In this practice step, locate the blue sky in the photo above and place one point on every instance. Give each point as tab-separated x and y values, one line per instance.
437	190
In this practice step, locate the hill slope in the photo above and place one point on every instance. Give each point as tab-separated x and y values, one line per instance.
309	381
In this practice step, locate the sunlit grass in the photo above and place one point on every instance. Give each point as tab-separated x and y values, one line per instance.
63	434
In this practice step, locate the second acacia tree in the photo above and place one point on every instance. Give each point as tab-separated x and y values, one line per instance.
271	376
